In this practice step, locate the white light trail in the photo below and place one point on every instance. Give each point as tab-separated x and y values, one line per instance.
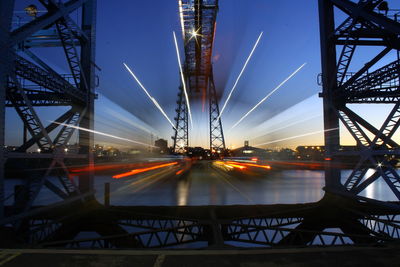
129	121
240	74
297	136
266	97
287	126
103	134
183	80
151	98
181	19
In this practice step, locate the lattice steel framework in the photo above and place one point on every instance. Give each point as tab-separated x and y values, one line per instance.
28	82
216	227
198	28
368	23
181	137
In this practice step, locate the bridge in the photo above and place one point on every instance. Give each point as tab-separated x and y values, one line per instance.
342	217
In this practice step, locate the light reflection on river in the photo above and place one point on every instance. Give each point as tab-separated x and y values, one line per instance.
205	187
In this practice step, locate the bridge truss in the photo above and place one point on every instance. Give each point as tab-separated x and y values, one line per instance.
198	18
368	23
29	82
335	220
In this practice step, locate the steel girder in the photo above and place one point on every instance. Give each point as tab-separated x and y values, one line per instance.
378	152
217	140
6	66
51	81
308	225
29	84
198	18
181	137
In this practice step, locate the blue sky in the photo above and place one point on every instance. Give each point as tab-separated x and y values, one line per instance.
140	34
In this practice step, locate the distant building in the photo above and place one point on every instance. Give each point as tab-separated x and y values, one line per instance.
248	151
162	145
197	152
315	153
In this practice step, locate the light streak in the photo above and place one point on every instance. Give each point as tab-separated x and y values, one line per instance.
240	74
183	80
249	165
179	172
111	166
231	165
129	121
287	126
103	134
267	96
181	19
297	136
151	98
136	171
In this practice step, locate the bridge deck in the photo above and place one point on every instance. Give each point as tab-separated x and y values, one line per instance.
338	256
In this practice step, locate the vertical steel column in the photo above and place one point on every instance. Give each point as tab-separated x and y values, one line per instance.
217	140
6	63
328	66
86	139
181	135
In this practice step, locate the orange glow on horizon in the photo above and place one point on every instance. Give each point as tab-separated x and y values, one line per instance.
136	171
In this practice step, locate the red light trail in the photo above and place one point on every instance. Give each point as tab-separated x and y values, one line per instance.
136	171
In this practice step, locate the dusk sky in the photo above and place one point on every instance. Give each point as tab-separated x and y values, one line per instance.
139	33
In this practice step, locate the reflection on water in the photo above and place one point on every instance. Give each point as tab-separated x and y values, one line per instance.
205	187
377	190
182	192
370	190
213	189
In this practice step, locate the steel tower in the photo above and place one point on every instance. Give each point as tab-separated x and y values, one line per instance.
28	81
198	19
367	23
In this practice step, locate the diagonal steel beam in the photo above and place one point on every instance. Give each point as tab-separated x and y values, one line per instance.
6	59
39	23
49	129
369	127
52	81
356	175
52	4
390	125
30	118
366	67
353	10
66	132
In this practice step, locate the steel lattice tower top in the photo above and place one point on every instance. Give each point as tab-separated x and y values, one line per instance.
198	19
198	27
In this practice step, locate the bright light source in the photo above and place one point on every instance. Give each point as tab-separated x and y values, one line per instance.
183	80
379	164
39	150
194	33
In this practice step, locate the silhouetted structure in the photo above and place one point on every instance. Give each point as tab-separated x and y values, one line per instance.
198	19
248	151
162	145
